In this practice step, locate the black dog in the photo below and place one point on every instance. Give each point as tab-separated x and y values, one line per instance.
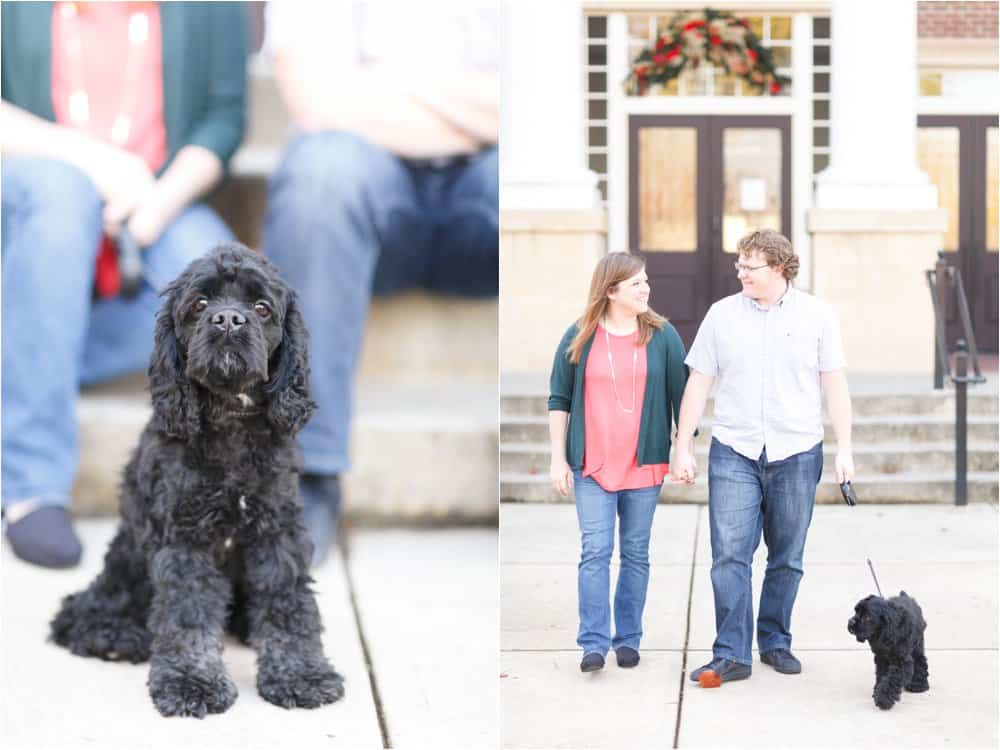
211	535
894	628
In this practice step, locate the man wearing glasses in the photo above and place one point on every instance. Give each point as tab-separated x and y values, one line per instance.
774	351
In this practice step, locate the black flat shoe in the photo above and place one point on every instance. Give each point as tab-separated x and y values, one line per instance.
592	662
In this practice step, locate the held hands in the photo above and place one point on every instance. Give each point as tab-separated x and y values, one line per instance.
844	466
128	187
683	469
561	476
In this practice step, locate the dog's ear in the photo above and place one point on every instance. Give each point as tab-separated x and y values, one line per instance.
175	402
290	405
899	625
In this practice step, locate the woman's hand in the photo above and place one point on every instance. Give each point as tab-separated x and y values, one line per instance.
562	476
148	220
122	178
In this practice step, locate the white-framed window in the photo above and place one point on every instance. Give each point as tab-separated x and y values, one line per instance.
822	50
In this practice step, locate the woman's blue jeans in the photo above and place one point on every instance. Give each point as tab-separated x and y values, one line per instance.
55	336
596	510
346	218
746	497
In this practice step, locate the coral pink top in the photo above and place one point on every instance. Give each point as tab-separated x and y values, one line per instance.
91	49
612	434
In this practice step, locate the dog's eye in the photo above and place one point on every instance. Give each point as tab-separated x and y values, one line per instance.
200	305
262	310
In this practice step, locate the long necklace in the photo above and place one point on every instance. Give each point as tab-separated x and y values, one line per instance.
614	380
79	100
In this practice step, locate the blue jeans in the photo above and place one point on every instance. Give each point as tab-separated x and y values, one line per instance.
746	497
345	219
55	336
596	510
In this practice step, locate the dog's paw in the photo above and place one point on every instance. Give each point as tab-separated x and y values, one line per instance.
191	693
100	634
884	699
312	687
918	686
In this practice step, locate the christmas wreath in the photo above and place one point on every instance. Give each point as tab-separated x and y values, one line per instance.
713	36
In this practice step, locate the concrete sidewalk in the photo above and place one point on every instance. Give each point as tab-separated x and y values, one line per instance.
410	621
946	557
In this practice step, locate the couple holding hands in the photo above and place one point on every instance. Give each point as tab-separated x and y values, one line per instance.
620	377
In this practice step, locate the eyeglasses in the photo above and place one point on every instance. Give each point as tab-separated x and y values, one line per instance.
740	267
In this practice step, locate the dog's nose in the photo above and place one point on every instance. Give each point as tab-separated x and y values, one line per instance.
228	320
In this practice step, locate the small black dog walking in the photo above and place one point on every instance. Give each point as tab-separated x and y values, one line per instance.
894	629
211	535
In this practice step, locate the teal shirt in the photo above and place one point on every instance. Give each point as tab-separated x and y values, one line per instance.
666	376
204	70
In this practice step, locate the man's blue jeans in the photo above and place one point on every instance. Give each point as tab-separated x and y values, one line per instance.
746	497
347	218
55	336
596	510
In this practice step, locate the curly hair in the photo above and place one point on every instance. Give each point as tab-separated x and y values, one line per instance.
775	248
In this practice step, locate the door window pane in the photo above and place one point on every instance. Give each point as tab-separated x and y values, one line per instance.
668	180
751	168
937	155
991	190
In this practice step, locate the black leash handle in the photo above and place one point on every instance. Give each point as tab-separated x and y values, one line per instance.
129	263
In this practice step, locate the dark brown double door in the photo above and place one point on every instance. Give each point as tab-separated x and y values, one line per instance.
696	185
959	154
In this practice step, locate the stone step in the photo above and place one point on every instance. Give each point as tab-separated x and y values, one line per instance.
885	458
909	487
928	429
420	453
863	405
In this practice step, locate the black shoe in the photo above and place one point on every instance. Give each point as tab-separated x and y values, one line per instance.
320	496
728	670
627	656
592	662
782	661
45	537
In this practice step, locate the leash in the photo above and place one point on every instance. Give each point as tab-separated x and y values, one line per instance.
847	491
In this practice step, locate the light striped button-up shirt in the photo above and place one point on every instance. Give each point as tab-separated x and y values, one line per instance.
767	365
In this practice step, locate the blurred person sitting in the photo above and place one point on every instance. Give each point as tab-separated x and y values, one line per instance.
113	115
389	183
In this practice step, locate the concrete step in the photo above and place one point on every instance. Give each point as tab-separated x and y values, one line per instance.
892	429
420	453
909	487
884	458
929	404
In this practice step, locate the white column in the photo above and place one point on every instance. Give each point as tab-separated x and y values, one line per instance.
618	68
874	110
542	157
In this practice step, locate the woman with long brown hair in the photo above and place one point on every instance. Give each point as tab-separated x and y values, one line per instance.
617	381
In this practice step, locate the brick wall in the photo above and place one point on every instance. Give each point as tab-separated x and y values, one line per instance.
963	20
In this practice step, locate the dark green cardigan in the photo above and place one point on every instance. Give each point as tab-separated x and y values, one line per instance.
666	376
204	70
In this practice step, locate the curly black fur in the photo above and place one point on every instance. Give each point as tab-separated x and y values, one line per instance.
894	629
211	533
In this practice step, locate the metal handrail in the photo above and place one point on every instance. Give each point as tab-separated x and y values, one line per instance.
940	279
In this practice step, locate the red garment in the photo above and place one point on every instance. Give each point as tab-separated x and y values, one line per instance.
103	33
612	434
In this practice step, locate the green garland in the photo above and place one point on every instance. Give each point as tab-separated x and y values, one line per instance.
715	36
